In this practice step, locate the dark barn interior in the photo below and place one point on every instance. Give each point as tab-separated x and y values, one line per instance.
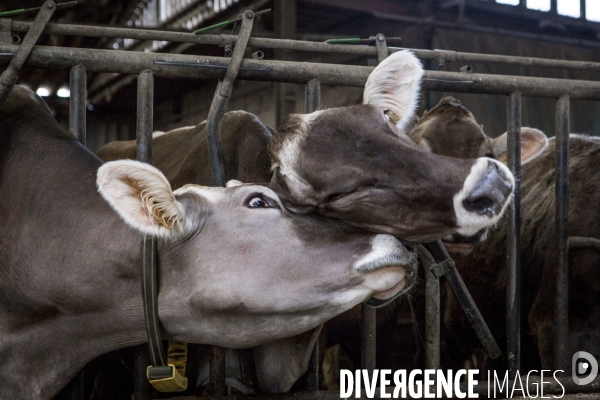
468	26
522	28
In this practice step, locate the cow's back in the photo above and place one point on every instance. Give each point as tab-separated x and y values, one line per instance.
244	140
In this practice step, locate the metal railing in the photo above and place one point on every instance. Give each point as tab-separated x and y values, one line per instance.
148	65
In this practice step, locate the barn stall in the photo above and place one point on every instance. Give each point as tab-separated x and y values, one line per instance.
531	67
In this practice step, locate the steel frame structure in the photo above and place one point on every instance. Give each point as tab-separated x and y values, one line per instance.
313	75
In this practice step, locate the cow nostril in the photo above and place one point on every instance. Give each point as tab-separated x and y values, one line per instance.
480	205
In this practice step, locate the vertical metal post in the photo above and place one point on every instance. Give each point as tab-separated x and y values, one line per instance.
561	312
368	345
141	386
553	7
432	311
582	11
145	117
285	20
313	103
513	238
216	386
77	103
368	335
313	96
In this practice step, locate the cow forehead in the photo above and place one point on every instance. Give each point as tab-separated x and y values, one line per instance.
212	194
216	195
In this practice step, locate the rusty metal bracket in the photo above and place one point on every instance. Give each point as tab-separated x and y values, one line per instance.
5	30
9	76
438	251
221	99
382	50
441	269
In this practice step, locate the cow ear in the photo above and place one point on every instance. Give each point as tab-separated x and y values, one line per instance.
142	196
533	143
394	86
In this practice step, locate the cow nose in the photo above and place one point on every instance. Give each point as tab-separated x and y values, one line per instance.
491	192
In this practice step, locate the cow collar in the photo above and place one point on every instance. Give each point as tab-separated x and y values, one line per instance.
165	374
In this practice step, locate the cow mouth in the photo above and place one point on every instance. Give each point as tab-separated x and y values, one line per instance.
457	244
399	279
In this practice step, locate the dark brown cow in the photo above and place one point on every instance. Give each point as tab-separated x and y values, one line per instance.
451	130
351	163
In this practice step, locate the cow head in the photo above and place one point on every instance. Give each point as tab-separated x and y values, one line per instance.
356	164
449	129
237	269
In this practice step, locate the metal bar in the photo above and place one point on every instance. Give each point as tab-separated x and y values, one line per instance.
583	242
216	387
432	310
295	72
312	374
141	387
77	104
513	238
144	127
561	312
439	253
313	103
368	335
313	96
9	76
299	45
382	49
582	10
5	34
220	101
145	116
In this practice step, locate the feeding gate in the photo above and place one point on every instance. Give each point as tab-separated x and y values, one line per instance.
433	257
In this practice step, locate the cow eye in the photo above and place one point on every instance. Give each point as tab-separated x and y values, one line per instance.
260	201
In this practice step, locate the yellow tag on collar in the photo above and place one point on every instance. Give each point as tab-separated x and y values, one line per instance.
166	378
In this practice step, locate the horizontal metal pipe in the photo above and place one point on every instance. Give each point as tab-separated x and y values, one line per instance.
186	37
584	242
301	45
205	67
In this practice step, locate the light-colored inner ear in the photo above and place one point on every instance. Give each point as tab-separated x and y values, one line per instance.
533	143
394	118
142	196
161	206
393	86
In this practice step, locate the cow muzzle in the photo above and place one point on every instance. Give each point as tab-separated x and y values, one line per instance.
389	269
484	197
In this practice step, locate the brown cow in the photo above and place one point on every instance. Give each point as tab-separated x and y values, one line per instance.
350	163
450	129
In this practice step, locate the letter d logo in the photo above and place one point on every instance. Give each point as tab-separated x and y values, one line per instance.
590	365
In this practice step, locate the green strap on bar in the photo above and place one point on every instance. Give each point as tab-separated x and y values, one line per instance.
343	41
215	26
12	13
